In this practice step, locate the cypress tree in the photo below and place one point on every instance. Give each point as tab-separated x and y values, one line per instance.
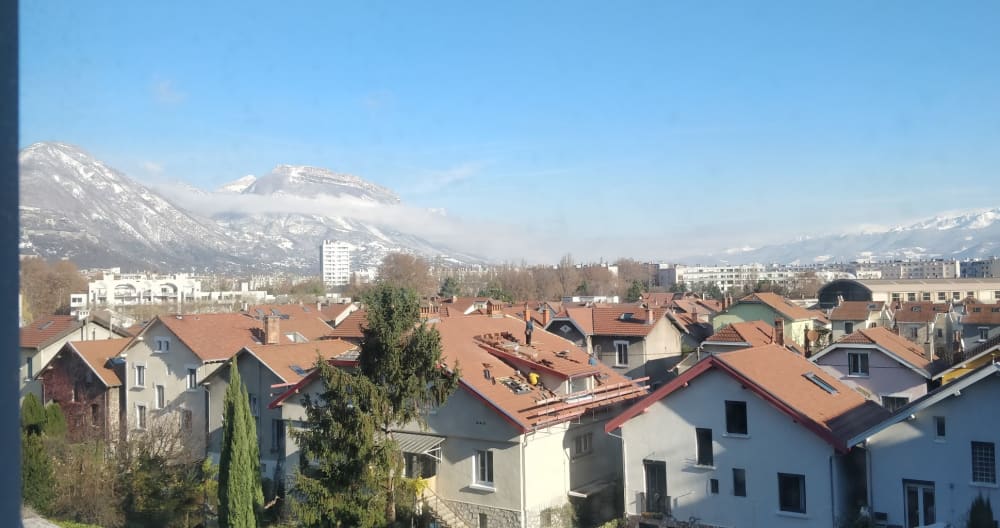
240	494
37	478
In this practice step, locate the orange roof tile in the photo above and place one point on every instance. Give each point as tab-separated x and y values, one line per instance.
96	355
352	327
293	362
45	330
904	349
215	337
478	343
785	380
988	314
614	320
754	333
855	310
779	304
332	312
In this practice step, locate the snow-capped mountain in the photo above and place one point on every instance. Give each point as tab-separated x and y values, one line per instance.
954	236
75	206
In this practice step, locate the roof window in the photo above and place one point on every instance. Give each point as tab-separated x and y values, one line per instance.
627	316
820	382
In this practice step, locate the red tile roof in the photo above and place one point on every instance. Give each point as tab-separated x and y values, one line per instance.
613	320
216	337
96	355
988	314
779	304
45	330
293	362
919	312
352	327
754	333
855	310
785	380
332	312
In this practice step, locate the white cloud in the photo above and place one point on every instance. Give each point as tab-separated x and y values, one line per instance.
165	92
152	167
435	180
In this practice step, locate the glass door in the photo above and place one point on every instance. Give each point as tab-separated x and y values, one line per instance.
919	503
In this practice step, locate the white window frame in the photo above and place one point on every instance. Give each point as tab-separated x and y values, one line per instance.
859	372
141	416
161	345
984	333
618	353
489	482
803	504
188	382
980	459
140	381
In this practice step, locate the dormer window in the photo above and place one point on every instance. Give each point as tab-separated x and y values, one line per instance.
627	316
915	309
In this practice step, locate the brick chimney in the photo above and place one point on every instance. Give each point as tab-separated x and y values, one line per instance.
527	314
779	332
272	330
545	317
649	315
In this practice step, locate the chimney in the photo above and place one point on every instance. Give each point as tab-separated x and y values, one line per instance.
527	314
840	300
272	335
454	299
805	333
545	317
489	308
319	306
649	315
779	332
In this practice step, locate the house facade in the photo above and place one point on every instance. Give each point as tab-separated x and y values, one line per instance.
949	433
850	316
979	324
45	336
752	437
881	365
768	307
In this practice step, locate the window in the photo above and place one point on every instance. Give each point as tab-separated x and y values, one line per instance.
857	363
940	333
984	333
913	332
926	296
895	296
736	417
820	382
893	403
911	297
713	486
739	482
704	438
161	400
939	427
483	521
970	294
848	328
984	467
942	296
140	375
254	410
162	344
621	353
277	435
76	392
95	414
192	378
186	419
996	294
31	370
583	444
484	468
140	416
792	492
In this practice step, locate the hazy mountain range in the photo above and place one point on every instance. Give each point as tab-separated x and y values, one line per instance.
75	206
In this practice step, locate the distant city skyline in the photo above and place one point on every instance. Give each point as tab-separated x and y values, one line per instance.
643	129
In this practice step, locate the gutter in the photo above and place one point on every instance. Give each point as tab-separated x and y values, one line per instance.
624	472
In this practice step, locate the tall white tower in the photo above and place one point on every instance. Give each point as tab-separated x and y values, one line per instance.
335	263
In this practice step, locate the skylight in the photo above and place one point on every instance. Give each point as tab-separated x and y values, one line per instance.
627	316
820	382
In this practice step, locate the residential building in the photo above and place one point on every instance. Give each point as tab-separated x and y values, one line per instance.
980	323
971	359
929	460
752	437
881	365
735	336
769	307
267	371
86	380
45	336
634	340
726	277
988	268
335	262
909	290
930	325
850	316
521	436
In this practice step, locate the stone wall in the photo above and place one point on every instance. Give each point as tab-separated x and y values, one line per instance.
495	517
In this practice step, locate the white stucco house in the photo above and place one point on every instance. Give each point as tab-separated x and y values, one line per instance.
752	437
930	459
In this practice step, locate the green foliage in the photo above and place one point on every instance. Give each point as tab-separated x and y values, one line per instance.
33	415
162	491
981	513
77	467
634	292
494	290
403	355
350	457
55	421
449	287
240	494
37	480
73	524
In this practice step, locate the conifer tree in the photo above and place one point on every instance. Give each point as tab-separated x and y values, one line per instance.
240	493
37	479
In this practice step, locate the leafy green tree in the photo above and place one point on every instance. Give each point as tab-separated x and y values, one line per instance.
240	494
55	421
634	292
349	459
449	287
33	415
981	513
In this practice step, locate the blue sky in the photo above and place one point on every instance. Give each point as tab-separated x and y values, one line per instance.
645	129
